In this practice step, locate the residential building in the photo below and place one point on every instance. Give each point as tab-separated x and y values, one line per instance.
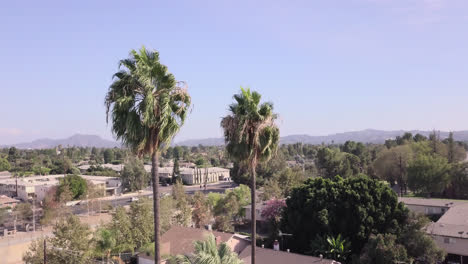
450	232
6	201
270	256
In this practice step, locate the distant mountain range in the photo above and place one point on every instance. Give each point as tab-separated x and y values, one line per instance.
364	136
77	140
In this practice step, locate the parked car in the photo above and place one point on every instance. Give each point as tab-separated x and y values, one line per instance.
134	199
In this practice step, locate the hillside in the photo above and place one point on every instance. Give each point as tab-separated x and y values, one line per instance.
77	140
365	136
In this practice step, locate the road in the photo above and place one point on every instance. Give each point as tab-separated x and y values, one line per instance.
115	201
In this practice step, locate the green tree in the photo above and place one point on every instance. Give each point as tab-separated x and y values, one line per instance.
108	155
428	174
122	229
4	164
76	184
208	252
105	242
183	213
353	207
70	244
141	217
384	249
134	176
251	136
23	211
201	214
175	171
147	107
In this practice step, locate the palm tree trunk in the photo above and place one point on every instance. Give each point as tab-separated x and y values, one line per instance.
155	176
252	212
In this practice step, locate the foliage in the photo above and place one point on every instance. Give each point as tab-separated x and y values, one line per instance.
141	217
208	252
75	184
336	248
23	211
201	214
4	164
183	213
282	182
121	228
105	242
353	207
273	210
70	244
428	174
383	249
134	176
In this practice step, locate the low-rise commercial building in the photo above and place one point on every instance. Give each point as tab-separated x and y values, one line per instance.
192	176
36	187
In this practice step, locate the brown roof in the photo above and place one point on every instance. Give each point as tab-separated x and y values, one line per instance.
448	230
431	201
5	200
270	256
456	215
180	240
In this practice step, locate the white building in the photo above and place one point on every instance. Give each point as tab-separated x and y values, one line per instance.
38	186
194	176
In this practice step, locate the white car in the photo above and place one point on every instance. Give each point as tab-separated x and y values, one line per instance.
133	199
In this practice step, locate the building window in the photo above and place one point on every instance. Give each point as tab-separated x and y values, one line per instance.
449	240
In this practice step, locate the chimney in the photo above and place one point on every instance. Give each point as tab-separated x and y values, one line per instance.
209	227
263	245
276	246
287	250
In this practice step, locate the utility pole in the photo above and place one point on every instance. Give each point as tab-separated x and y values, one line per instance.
45	252
34	214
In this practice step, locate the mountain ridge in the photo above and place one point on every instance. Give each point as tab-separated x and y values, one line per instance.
76	140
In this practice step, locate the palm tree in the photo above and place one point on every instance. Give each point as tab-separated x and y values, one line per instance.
338	248
147	107
251	137
207	252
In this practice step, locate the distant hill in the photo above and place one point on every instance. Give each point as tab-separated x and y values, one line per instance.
77	140
364	136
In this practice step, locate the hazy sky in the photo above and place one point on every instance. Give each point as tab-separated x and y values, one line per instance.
328	66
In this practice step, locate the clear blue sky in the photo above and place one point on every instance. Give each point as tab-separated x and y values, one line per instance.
329	66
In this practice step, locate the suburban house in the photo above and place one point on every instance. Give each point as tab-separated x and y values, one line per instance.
450	232
193	176
270	256
180	241
6	202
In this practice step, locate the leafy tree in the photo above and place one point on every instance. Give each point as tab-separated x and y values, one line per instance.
122	230
23	211
167	213
201	214
175	171
336	248
182	205
12	154
353	207
141	217
108	155
134	176
75	184
383	249
70	244
147	107
428	174
4	164
251	136
105	242
391	165
418	138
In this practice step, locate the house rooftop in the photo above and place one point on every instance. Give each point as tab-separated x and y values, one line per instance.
180	240
457	215
270	256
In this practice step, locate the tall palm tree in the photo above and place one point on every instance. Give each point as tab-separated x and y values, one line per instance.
251	137
147	107
208	252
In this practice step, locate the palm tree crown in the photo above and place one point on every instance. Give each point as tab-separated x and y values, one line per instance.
207	252
250	131
146	104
